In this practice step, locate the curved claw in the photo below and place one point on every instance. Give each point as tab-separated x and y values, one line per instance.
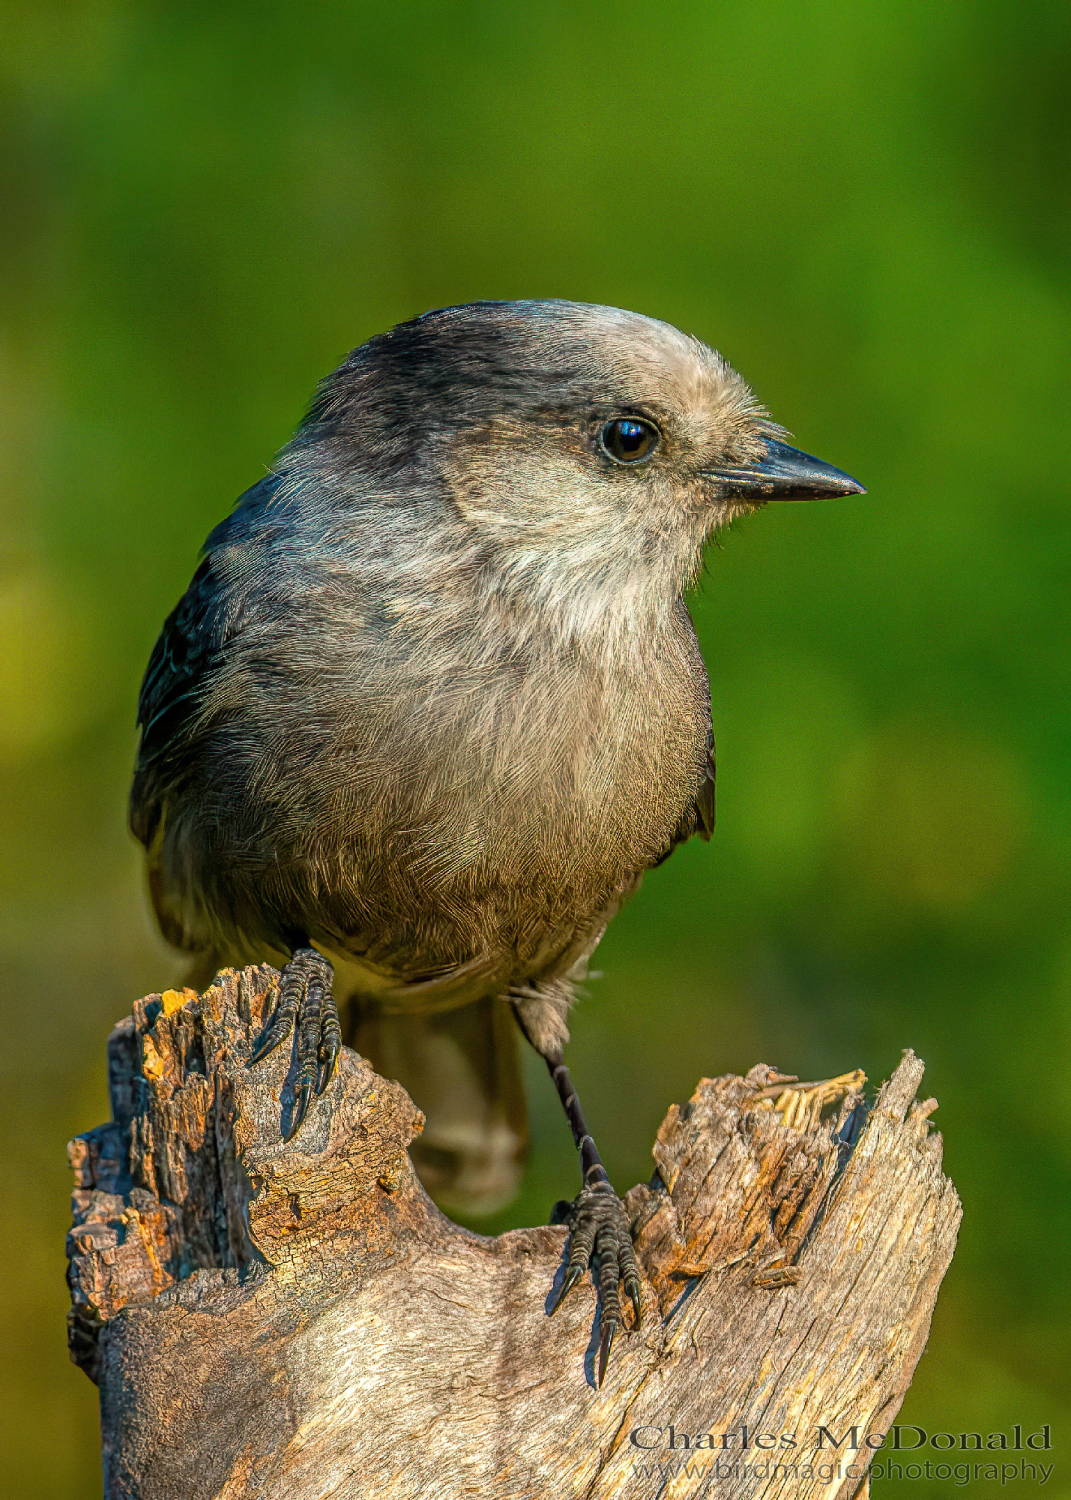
305	1006
302	1098
572	1276
328	1060
277	1030
330	1042
606	1341
265	1043
632	1287
600	1237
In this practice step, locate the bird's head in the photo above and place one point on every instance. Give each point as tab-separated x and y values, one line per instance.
588	451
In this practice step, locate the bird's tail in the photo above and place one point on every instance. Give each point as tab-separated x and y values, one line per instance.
461	1068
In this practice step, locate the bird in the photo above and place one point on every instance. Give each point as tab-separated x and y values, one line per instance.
433	704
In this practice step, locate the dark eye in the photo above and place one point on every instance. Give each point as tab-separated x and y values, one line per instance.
627	440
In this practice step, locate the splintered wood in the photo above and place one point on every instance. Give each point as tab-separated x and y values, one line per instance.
288	1321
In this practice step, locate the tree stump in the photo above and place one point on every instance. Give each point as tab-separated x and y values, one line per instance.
295	1320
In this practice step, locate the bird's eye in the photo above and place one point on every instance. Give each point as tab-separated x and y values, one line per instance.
628	440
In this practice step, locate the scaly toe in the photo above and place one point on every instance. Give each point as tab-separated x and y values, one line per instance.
600	1238
306	1007
330	1042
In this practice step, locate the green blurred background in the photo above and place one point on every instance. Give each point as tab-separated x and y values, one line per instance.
865	207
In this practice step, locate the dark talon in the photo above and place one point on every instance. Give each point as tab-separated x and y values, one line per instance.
572	1276
632	1287
599	1237
265	1043
306	1005
609	1329
302	1096
291	989
330	1043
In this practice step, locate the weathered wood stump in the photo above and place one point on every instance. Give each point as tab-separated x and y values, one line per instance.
299	1320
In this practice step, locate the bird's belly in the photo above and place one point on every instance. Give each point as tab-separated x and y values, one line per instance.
517	900
440	867
452	954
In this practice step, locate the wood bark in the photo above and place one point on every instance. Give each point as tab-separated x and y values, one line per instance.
270	1319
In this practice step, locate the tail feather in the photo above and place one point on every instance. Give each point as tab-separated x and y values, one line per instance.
461	1068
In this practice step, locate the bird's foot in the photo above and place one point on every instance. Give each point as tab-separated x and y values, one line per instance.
307	1003
800	1105
599	1236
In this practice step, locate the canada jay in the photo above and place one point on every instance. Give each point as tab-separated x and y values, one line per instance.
433	703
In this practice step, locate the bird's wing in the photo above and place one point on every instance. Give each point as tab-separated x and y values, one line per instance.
189	645
698	816
175	666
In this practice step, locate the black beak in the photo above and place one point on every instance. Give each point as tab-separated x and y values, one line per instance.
785	474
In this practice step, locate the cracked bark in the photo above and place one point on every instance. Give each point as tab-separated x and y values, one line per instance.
299	1320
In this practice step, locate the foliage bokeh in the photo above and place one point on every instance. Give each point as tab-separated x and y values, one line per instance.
866	208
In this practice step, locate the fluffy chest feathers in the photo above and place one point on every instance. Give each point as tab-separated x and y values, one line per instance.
473	753
386	751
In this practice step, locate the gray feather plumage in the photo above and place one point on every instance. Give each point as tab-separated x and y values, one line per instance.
433	699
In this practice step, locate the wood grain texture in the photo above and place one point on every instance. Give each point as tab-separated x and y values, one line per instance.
279	1320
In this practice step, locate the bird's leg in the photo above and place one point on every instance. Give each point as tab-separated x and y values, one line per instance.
599	1233
305	1001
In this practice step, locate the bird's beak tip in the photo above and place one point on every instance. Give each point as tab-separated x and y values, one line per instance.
852	486
785	473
